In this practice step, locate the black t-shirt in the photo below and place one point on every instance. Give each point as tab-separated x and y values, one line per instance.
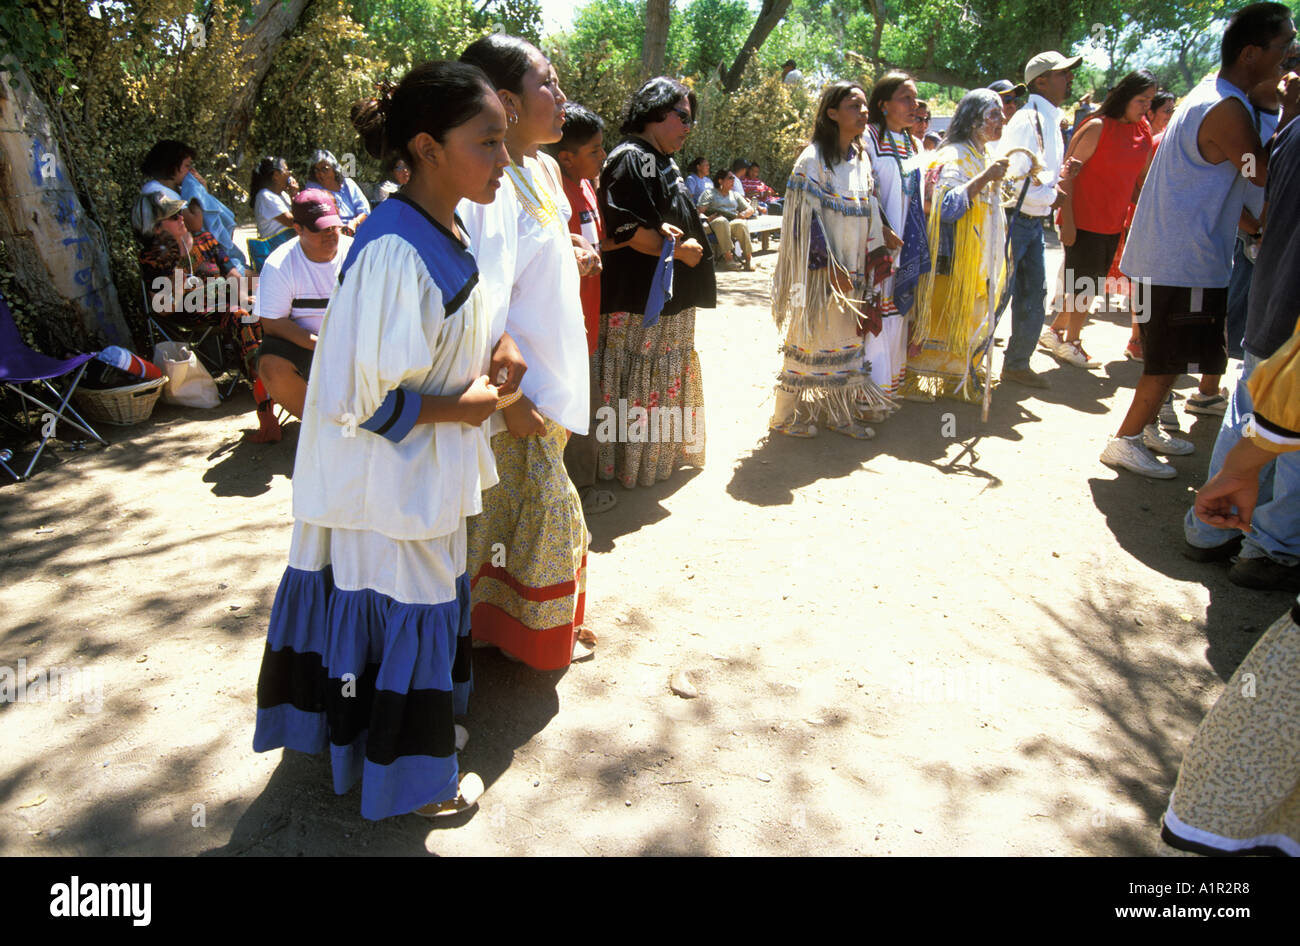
1275	288
639	187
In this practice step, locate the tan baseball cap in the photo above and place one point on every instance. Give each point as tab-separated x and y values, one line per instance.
1050	61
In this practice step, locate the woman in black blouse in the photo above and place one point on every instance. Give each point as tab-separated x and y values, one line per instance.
652	417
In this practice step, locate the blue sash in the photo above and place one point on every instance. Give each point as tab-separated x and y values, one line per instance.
914	257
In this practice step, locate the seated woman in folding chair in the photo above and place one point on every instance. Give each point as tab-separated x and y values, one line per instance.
269	193
187	276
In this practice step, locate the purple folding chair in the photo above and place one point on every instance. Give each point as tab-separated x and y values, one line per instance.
20	366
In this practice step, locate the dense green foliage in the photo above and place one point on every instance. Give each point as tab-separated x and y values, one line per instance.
119	76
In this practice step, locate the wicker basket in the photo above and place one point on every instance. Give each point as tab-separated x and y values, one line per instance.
121	406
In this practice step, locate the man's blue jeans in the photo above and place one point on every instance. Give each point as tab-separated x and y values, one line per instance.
1028	291
1275	526
1238	299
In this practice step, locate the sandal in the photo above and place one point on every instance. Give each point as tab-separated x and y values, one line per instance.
582	651
596	501
855	431
471	790
796	430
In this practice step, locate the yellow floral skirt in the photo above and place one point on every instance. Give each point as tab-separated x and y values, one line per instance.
527	553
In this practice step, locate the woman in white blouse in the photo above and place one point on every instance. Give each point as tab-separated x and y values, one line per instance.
270	193
528	550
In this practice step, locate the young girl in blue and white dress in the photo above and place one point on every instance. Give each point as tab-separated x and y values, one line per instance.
367	651
896	166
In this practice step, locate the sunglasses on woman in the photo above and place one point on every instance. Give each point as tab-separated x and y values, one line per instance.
685	117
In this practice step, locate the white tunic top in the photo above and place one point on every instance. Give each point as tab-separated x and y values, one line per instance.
525	257
386	328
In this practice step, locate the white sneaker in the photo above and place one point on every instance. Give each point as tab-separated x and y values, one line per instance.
1215	405
1156	439
1050	340
1128	453
1072	353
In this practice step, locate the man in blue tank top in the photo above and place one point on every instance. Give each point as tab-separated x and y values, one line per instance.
1179	250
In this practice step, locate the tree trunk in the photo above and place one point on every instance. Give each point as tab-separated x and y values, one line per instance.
272	22
655	44
769	16
877	11
59	254
1184	66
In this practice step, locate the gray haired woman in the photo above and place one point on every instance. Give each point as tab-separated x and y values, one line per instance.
325	172
967	242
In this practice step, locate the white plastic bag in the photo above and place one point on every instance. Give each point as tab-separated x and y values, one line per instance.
188	382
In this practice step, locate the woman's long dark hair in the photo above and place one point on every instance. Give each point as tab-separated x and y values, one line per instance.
165	158
881	93
1128	88
263	176
826	134
504	58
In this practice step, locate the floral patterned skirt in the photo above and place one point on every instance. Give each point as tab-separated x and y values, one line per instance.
527	553
650	419
1238	790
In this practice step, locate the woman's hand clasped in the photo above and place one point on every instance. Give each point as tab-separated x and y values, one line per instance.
507	358
689	252
478	401
523	419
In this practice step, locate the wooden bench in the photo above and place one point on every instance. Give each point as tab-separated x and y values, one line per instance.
761	227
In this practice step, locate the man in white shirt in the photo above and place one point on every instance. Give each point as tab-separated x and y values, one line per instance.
1035	127
293	291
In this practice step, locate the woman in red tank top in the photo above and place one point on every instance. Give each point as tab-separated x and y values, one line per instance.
1113	148
1162	109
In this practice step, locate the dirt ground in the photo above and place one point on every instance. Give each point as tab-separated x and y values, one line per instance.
957	638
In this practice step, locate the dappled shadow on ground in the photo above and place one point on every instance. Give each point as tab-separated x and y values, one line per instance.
297	811
242	468
780	466
1149	527
128	447
1114	728
637	508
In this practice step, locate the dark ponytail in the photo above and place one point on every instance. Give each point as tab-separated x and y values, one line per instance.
263	175
432	98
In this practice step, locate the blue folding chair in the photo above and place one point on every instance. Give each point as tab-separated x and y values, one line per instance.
21	369
259	250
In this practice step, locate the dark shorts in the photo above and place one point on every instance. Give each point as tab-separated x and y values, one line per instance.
1087	261
282	348
1181	333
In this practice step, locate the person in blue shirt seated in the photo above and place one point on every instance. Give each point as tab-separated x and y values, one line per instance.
326	173
697	178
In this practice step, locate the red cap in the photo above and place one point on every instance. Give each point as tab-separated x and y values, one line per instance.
315	210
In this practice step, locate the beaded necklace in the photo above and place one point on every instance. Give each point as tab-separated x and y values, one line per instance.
535	200
908	182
